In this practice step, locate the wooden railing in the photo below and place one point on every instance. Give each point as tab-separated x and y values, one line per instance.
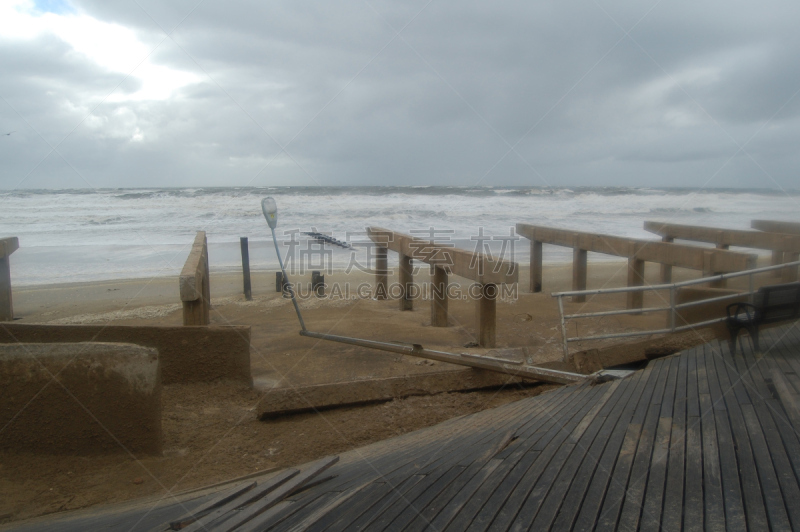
194	285
485	270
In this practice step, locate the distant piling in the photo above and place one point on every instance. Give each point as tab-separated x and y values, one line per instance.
248	294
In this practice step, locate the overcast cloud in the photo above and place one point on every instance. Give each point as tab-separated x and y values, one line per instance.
148	93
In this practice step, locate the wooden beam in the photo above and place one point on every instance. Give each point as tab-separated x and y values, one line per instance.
381	273
194	284
579	272
723	238
651	251
666	269
635	278
770	226
477	267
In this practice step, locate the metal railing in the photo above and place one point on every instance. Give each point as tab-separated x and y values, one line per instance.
673	307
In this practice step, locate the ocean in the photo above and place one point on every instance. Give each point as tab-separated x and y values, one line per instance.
91	235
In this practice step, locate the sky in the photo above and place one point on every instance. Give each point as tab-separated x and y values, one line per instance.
191	93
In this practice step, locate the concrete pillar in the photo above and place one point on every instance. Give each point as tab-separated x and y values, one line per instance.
7	247
666	269
579	271
635	278
789	275
439	298
406	282
381	273
487	315
536	266
777	258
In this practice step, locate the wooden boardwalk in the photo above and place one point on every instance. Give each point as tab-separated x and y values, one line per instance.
701	440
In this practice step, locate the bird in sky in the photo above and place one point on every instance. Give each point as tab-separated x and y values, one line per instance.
10	132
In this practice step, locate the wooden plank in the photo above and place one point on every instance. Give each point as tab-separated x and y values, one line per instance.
191	277
712	478
486	315
478	267
751	488
205	508
536	266
575	496
406	283
647	250
277	495
729	465
771	226
249	496
673	491
458	501
381	273
725	237
579	273
439	299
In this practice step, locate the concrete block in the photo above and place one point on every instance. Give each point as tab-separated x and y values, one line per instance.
80	398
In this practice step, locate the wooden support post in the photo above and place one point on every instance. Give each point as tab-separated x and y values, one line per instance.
194	284
536	266
487	315
381	272
248	294
6	308
439	297
777	258
635	278
789	275
579	271
666	269
723	283
406	282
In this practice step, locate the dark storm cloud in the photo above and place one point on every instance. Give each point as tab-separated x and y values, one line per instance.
513	93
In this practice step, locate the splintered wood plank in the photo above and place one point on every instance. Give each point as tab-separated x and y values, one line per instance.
247	497
729	466
673	492
277	495
203	509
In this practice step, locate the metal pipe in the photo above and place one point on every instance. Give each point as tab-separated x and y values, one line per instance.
616	312
563	329
286	278
475	361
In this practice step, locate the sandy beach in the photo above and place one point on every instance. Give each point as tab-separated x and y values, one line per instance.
211	431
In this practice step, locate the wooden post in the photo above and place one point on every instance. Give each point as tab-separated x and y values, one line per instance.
536	266
579	271
666	269
777	258
789	275
7	247
487	315
381	272
635	278
194	284
439	298
406	282
248	294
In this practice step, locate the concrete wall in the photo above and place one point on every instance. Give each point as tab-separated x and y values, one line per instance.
187	354
84	398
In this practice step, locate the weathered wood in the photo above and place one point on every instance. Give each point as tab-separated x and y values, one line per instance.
7	247
771	226
381	273
478	267
248	293
536	266
579	273
205	508
194	284
666	269
439	297
406	283
723	238
487	315
651	251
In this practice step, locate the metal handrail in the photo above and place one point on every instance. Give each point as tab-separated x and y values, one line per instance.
672	308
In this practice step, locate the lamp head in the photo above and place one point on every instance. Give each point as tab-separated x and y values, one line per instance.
270	210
